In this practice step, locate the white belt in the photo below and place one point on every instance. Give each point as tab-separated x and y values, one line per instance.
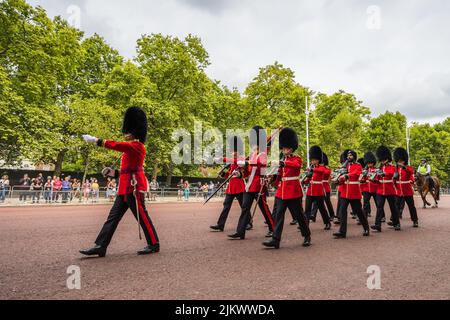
290	178
352	182
386	181
325	181
403	182
316	182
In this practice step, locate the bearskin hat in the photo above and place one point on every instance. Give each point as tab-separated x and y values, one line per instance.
258	136
369	157
315	152
353	153
235	144
401	154
135	123
288	139
325	161
361	162
343	156
383	153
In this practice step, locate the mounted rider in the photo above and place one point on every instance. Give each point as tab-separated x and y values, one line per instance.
424	169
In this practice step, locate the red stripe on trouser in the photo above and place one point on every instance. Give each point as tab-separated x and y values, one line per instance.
266	209
143	216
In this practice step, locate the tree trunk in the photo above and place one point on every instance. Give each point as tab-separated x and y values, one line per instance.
169	174
59	162
86	167
155	171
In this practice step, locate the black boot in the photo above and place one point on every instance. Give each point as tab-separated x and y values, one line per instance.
327	226
216	228
249	227
307	241
376	228
416	224
94	251
390	224
339	235
272	244
397	227
269	234
366	233
236	236
149	249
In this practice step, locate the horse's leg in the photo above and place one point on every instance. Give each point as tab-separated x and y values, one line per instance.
423	200
434	194
425	196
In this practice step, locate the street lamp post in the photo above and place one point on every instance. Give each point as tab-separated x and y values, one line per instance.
307	129
408	138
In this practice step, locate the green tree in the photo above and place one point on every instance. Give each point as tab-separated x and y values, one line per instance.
387	129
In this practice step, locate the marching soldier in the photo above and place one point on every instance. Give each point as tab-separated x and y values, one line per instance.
405	182
236	186
368	187
315	193
351	196
132	183
255	188
289	194
327	191
340	186
386	189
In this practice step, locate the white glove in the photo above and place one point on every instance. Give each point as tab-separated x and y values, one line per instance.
108	172
242	163
89	139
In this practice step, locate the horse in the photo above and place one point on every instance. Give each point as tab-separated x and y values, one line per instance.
423	186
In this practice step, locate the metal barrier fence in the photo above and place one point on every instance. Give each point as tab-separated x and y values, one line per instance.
20	195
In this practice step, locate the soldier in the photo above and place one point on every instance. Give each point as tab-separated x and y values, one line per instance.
131	173
351	196
289	193
405	182
255	189
327	190
368	187
315	192
386	190
236	186
340	186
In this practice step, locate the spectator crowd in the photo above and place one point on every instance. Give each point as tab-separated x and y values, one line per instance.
66	189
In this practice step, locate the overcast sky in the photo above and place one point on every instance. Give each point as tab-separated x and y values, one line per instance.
393	55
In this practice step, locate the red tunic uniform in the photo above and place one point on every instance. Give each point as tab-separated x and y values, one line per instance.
132	163
289	179
326	180
351	181
236	184
386	184
371	186
405	182
315	188
255	169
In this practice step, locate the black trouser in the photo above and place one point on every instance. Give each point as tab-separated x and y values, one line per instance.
366	205
247	203
120	206
381	200
227	206
295	206
320	202
329	205
356	209
409	200
338	206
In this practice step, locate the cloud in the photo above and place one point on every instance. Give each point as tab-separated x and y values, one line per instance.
392	56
